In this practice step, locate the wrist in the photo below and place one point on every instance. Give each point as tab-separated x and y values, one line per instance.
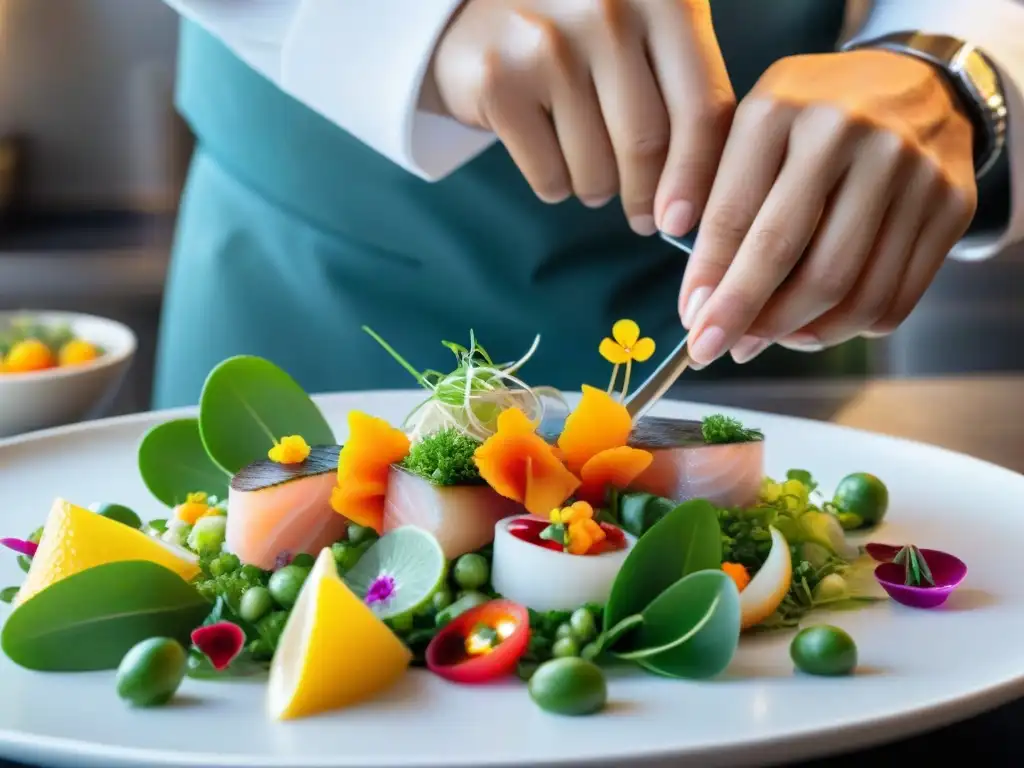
972	78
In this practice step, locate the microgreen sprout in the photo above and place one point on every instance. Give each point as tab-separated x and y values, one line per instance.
470	398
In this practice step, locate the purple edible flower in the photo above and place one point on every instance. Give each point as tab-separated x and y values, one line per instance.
940	573
282	560
381	590
21	546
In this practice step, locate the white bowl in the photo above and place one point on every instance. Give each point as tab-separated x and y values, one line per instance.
58	396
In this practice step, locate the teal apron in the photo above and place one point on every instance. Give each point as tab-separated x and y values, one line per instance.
292	235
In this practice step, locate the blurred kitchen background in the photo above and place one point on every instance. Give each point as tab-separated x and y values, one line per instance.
93	156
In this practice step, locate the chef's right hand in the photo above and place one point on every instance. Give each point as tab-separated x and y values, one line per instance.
595	98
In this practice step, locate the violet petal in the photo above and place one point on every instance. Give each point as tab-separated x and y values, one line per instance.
221	642
883	553
21	546
948	571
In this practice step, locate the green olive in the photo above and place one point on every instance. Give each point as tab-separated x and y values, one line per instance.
864	496
824	650
564	647
150	673
121	514
569	686
584	628
471	571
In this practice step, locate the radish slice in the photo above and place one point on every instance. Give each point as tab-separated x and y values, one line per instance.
547	580
766	591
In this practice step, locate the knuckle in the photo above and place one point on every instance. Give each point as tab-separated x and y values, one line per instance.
647	146
761	108
726	222
962	202
777	248
714	111
830	285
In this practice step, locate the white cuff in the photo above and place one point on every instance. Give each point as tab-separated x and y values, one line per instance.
361	64
997	28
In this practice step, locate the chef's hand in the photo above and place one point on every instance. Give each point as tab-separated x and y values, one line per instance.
594	99
845	181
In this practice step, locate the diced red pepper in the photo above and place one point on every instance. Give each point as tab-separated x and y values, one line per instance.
529	530
447	656
221	642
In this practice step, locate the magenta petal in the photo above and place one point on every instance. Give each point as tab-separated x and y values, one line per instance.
883	553
948	571
21	546
221	642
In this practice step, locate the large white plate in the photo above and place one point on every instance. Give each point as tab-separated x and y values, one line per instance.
919	668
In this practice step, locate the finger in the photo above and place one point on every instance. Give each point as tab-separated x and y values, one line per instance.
526	130
750	164
842	243
586	146
880	281
947	224
776	241
634	114
698	95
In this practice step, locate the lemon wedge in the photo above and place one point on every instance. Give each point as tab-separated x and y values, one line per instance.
766	591
75	539
334	652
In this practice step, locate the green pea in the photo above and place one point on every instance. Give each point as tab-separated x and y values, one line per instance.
442	599
569	686
460	606
121	514
151	672
563	630
223	564
256	603
401	623
359	534
252	574
824	650
304	560
471	571
347	555
583	626
565	647
286	584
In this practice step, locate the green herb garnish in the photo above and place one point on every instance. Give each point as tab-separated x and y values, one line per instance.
917	570
445	458
719	428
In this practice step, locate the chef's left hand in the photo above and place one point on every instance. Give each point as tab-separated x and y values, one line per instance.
846	180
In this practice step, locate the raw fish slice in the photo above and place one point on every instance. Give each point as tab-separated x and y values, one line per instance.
685	467
276	509
460	517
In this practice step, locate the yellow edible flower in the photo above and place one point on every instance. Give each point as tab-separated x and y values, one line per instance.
583	530
194	508
289	450
624	348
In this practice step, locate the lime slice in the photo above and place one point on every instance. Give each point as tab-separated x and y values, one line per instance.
399	572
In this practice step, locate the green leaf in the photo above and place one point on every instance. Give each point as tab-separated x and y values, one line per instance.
690	630
8	594
89	621
686	540
640	511
247	405
802	476
174	463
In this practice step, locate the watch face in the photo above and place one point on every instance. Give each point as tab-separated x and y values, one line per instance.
982	76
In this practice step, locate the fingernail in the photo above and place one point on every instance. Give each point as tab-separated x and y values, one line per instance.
709	346
749	347
802	342
595	202
693	304
643	225
678	218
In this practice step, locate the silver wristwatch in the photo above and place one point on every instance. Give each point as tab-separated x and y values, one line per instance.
973	77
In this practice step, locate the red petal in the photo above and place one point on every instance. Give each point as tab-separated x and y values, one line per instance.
21	546
221	642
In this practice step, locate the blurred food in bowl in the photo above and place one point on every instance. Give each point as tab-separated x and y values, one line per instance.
58	367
